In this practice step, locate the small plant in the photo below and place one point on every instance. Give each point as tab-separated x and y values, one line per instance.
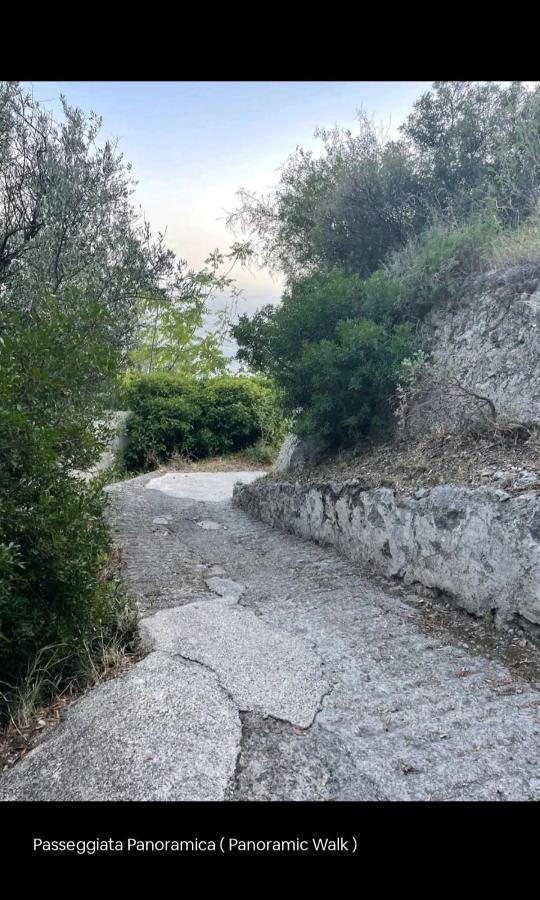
54	538
415	371
118	470
261	453
518	245
42	678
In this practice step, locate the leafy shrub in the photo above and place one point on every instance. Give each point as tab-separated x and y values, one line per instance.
160	424
333	349
262	453
272	340
380	298
364	195
53	538
197	418
343	388
58	364
53	542
373	233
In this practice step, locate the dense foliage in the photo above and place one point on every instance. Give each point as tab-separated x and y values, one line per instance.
75	261
53	537
197	417
372	233
68	222
365	196
335	365
66	217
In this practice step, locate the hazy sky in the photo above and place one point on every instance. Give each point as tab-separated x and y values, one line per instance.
193	144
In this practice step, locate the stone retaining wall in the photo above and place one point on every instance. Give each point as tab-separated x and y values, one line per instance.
480	547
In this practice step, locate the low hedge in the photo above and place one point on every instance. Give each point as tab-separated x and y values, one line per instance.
197	417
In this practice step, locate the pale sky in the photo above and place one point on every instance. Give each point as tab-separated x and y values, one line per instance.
193	144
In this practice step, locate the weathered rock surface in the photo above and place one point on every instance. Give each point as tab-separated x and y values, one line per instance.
230	591
296	453
265	670
482	547
164	730
489	342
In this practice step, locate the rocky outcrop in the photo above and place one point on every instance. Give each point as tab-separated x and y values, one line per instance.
480	547
487	343
296	453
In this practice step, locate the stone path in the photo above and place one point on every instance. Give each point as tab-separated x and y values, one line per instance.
276	671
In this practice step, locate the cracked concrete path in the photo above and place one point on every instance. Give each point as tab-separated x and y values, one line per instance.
278	670
264	669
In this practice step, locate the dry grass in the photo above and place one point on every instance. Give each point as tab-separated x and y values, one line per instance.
17	738
28	715
232	463
28	721
473	459
518	246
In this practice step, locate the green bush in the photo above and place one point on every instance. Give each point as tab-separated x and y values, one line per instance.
333	348
373	233
333	344
54	540
262	453
197	418
343	388
364	194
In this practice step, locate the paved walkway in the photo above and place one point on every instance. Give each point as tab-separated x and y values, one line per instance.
277	671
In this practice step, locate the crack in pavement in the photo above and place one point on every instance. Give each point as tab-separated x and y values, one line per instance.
265	669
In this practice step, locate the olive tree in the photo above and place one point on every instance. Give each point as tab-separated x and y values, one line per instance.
67	217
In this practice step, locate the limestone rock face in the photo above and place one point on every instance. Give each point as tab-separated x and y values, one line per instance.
481	547
488	342
296	453
119	420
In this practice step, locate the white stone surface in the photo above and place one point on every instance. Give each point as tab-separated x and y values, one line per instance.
230	591
217	711
210	487
165	730
264	669
295	454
